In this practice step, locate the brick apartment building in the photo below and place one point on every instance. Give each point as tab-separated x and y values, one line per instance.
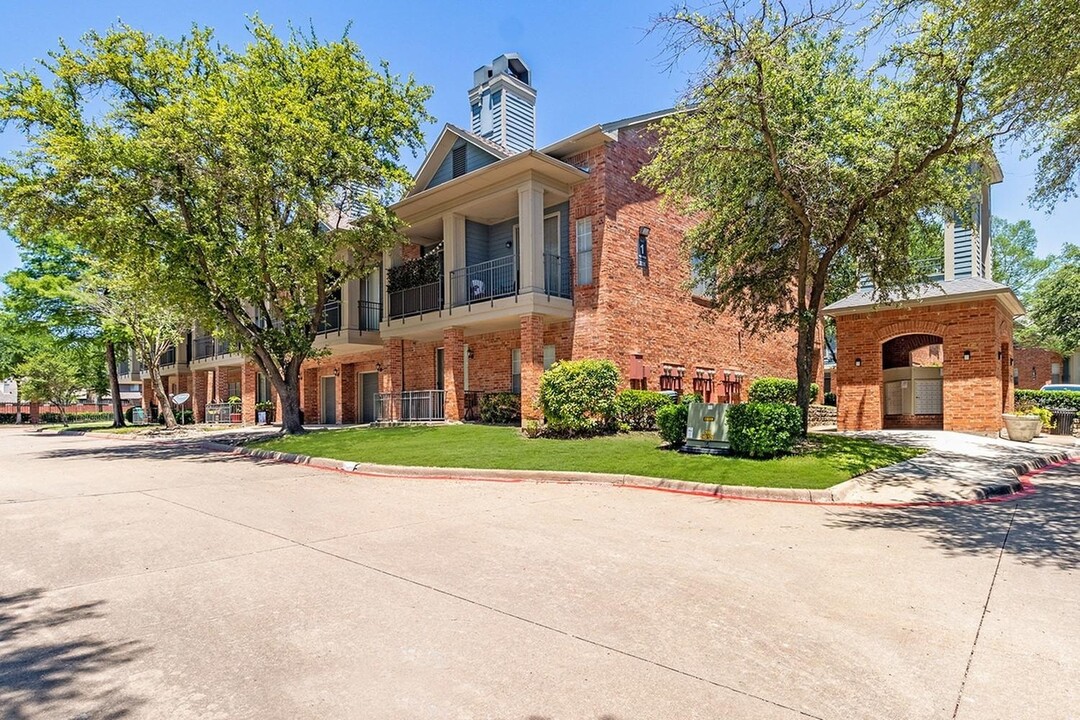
516	257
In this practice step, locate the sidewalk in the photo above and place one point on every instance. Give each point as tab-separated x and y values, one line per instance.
957	467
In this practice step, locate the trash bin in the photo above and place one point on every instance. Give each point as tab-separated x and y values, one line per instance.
1063	420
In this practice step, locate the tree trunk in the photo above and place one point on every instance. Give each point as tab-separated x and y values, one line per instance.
18	405
114	385
288	389
63	415
804	364
164	405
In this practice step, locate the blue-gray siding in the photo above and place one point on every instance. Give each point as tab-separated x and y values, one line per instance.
962	250
475	158
488	242
520	124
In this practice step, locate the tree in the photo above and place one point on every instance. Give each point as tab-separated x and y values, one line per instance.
1029	66
18	342
129	297
258	180
1015	261
51	375
1054	306
794	156
45	290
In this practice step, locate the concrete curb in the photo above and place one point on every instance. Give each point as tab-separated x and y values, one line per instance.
827	496
835	495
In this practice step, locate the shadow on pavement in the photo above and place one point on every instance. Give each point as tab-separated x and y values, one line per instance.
185	449
1045	530
43	676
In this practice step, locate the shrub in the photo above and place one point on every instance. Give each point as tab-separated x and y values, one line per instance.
830	399
777	390
763	430
671	419
1048	398
80	417
637	408
532	429
1027	407
183	417
500	408
577	397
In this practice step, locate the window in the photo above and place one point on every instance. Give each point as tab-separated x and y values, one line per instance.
549	356
262	388
583	230
233	390
515	370
701	283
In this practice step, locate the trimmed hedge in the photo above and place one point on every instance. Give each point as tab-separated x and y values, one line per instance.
777	390
52	417
637	408
671	419
763	430
500	408
830	399
578	396
1049	398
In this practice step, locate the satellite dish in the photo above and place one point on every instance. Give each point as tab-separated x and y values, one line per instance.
181	398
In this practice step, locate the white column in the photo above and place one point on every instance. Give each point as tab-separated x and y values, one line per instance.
453	254
531	236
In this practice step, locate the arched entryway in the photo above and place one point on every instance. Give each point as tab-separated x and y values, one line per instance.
912	374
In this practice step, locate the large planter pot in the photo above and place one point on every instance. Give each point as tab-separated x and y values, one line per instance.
1022	428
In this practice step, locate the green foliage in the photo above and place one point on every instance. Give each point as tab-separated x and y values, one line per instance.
671	420
239	171
763	430
577	397
777	390
830	399
183	417
1016	262
637	408
423	270
50	376
500	408
1047	399
809	145
1054	305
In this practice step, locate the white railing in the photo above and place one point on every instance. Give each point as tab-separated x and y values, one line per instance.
411	406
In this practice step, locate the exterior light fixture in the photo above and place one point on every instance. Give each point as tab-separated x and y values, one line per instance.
858	362
378	367
967	355
472	353
337	371
643	247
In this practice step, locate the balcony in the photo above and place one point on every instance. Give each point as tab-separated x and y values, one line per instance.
168	358
209	351
419	300
350	327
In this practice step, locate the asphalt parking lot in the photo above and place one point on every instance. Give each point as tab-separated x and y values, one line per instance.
140	579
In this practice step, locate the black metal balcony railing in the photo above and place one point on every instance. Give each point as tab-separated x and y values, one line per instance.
416	300
168	357
209	347
411	406
331	321
370	315
485	281
123	367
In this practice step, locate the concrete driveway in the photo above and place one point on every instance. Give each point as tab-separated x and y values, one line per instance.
144	580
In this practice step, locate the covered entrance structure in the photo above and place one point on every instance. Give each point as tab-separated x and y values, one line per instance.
941	360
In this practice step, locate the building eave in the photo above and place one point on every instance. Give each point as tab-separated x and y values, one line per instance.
447	138
461	188
1004	296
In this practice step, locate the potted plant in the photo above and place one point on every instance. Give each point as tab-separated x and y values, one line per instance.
235	416
264	412
1027	421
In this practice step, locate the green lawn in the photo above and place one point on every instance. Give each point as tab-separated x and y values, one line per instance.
824	461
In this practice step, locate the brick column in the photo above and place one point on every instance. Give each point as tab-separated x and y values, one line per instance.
248	374
221	385
35	413
390	380
346	395
147	396
199	390
309	395
454	372
532	365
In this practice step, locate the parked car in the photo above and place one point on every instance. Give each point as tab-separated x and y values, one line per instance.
1071	387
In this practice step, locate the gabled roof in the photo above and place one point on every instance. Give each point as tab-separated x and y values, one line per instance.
442	147
948	291
600	134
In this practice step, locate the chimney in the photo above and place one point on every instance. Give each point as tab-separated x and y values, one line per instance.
503	103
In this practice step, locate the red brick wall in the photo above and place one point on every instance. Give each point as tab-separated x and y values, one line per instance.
651	313
976	391
1034	369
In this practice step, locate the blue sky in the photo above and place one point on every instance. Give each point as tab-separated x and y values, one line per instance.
592	61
